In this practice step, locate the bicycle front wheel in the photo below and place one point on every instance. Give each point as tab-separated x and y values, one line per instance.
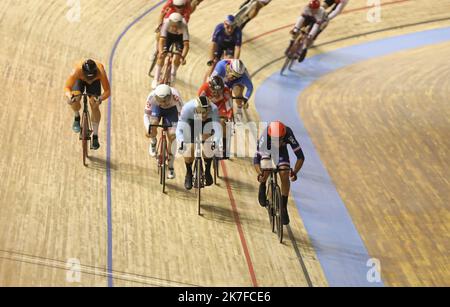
163	165
279	225
85	137
270	207
198	182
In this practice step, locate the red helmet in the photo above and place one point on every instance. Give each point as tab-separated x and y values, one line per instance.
277	129
314	4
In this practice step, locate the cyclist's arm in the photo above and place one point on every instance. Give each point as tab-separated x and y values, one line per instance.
182	123
299	23
70	82
185	41
105	84
338	10
237	52
212	50
249	85
162	37
298	152
315	29
219	70
237	48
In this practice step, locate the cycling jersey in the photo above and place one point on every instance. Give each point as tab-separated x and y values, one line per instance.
185	129
168	9
175	101
77	74
223	103
182	31
280	154
225	41
244	80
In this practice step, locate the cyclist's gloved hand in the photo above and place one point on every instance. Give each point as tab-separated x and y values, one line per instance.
98	100
294	31
293	176
210	62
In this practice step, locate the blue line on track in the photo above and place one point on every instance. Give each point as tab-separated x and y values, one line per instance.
108	143
339	247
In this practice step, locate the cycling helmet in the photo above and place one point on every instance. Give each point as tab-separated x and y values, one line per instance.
216	84
237	67
314	4
162	92
179	3
276	129
176	18
202	104
90	69
229	20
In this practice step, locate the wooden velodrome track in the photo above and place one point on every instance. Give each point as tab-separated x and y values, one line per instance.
53	209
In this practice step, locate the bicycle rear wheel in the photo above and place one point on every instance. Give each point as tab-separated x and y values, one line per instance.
279	225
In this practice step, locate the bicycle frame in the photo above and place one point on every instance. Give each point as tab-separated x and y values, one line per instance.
273	195
86	126
167	68
162	156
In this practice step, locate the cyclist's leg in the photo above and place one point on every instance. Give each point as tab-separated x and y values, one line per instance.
179	44
76	105
189	153
161	59
238	91
95	89
284	164
207	152
155	118
171	116
262	199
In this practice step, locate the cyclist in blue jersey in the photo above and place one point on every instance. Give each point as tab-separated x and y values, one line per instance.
236	77
225	43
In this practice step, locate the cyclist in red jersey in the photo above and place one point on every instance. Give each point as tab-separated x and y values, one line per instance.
175	6
220	95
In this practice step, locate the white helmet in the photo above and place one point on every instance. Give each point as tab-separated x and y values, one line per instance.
176	18
237	67
202	104
179	2
162	92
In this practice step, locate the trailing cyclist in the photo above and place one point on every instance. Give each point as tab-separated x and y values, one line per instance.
257	5
311	19
174	31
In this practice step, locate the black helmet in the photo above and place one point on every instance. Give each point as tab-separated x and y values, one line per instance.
90	69
216	83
